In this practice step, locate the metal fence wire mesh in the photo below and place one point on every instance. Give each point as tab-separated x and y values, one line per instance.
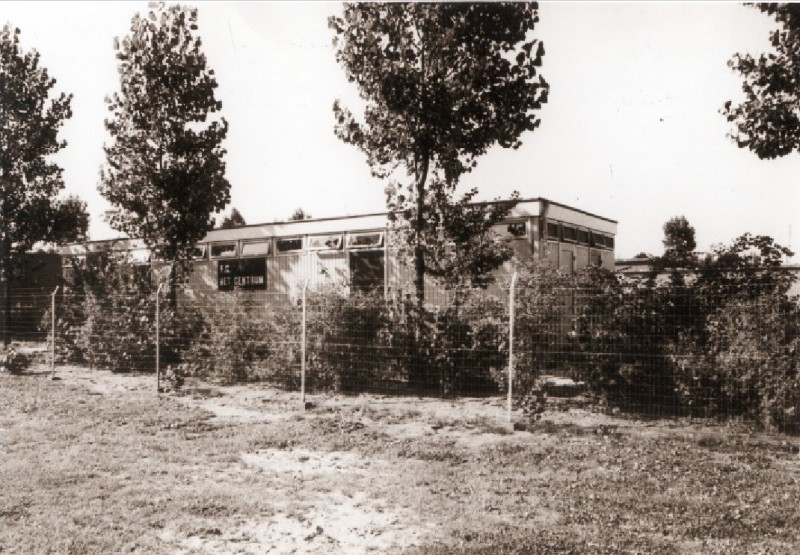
664	349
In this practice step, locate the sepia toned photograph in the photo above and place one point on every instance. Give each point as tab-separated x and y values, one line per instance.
441	278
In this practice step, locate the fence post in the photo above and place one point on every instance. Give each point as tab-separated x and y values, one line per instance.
511	341
158	341
53	334
303	350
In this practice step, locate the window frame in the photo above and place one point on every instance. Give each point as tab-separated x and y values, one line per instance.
552	236
279	252
78	259
139	261
325	246
204	252
378	245
244	244
563	228
211	246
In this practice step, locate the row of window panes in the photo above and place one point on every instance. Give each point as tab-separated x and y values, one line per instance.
135	256
570	234
287	245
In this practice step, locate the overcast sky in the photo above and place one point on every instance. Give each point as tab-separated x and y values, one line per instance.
632	130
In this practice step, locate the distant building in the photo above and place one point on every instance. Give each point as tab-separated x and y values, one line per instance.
642	267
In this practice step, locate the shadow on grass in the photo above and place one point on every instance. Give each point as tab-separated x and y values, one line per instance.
542	542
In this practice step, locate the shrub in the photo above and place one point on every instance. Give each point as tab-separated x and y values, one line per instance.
347	335
362	341
106	314
232	337
466	343
543	321
751	361
13	361
722	343
175	375
622	335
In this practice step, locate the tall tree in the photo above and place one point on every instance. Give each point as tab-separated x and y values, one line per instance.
768	120
30	117
164	171
442	83
679	245
679	242
235	219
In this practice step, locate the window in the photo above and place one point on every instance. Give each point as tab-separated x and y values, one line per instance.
289	244
74	260
139	256
595	259
223	250
260	248
568	233
325	242
552	231
365	240
199	252
601	241
583	236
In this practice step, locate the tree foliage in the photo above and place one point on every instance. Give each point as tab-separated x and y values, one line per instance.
767	121
679	245
164	171
299	215
442	82
31	116
472	249
679	241
724	341
750	267
235	219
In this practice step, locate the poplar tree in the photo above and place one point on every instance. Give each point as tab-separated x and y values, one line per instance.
165	169
31	115
442	83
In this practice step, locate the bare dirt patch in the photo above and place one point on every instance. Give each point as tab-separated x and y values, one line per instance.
339	522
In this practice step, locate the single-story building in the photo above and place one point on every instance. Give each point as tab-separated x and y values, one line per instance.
279	258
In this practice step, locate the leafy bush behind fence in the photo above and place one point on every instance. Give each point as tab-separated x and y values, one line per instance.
710	347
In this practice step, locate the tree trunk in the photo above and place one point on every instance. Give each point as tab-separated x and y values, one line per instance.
419	372
419	251
173	285
5	309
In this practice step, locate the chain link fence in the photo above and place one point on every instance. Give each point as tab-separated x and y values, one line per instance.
705	349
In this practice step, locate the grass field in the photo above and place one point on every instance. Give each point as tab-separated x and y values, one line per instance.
98	463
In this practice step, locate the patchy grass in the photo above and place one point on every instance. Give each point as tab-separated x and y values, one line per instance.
97	463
